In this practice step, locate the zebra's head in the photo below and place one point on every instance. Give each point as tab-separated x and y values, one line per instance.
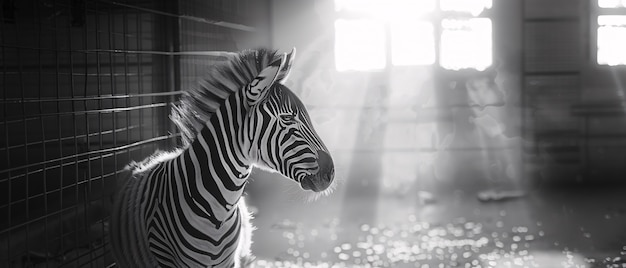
280	132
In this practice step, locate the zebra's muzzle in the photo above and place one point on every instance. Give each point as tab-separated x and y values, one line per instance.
324	177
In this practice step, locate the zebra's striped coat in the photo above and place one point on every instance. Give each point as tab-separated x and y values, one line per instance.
185	208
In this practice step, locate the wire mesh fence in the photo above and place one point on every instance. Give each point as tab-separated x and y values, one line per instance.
86	88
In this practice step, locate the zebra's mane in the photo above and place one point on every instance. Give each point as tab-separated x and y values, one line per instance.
199	103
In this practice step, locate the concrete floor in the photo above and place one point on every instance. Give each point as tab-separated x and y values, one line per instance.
364	225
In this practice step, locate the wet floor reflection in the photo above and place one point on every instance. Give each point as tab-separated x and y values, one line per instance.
457	230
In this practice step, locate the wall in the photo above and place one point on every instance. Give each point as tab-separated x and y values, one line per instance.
577	119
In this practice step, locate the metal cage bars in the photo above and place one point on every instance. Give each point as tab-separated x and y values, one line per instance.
82	96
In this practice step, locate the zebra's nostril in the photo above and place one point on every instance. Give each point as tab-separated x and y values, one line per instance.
308	184
324	177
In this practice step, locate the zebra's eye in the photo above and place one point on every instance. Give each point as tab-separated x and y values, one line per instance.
289	118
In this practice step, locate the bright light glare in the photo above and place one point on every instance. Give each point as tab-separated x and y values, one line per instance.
359	45
386	9
412	42
612	40
360	6
475	7
611	3
466	44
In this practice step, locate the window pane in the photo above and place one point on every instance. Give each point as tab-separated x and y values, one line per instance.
612	40
359	45
386	9
466	44
364	6
474	7
611	3
412	42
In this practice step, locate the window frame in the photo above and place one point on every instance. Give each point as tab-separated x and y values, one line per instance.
435	18
596	12
461	16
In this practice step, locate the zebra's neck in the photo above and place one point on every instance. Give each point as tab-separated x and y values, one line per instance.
214	168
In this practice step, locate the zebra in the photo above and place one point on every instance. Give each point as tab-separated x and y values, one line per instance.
185	208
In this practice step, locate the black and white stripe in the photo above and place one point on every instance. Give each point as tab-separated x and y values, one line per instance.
185	208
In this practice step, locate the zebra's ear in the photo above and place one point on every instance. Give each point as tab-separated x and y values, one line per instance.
284	72
257	89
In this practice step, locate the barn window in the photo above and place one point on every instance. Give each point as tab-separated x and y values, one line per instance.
399	21
465	36
466	44
611	38
371	34
474	7
611	3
